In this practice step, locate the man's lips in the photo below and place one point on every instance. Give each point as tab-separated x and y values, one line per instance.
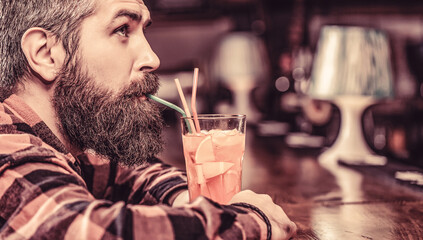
139	90
136	95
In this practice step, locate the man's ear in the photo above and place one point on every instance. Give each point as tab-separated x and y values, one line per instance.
44	54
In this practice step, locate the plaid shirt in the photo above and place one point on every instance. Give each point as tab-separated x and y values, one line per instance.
46	193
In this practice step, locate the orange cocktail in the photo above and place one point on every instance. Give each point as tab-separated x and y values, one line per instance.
214	156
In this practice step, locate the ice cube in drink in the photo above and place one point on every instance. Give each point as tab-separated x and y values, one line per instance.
214	163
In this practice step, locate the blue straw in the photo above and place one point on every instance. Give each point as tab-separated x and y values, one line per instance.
171	105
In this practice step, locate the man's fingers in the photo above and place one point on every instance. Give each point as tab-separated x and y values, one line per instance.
284	230
282	226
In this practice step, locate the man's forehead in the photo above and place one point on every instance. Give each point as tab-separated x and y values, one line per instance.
115	5
141	2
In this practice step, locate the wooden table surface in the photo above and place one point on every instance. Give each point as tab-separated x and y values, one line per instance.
332	202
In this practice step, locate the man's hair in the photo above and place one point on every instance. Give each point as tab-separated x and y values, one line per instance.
60	17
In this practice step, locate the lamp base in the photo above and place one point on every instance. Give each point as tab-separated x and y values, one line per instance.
333	155
350	145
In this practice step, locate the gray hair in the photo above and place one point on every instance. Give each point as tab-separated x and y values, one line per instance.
60	17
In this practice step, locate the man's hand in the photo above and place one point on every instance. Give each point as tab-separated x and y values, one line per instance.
181	199
282	227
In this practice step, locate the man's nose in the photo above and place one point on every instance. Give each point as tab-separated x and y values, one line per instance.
146	58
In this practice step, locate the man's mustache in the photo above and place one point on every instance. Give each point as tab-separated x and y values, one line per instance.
149	84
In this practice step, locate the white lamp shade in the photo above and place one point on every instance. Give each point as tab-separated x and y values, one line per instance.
240	55
351	61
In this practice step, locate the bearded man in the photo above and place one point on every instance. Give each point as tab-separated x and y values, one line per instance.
78	137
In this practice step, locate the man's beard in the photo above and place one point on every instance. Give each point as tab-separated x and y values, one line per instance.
122	127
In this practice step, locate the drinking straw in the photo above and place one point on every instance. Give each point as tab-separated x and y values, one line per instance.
193	99
171	105
184	103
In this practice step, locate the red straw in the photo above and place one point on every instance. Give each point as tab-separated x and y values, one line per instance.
184	103
193	98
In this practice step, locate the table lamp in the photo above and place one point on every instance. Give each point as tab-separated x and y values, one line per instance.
240	63
352	68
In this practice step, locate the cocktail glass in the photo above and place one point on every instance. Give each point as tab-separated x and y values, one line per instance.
213	156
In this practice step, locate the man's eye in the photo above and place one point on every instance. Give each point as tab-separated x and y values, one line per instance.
122	31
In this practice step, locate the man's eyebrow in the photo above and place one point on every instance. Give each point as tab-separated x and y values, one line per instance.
135	16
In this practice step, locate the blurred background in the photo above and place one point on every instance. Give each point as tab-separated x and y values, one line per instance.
256	56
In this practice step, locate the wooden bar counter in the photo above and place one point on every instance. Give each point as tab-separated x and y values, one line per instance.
332	202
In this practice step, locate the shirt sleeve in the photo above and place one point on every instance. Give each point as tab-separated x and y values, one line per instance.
42	199
151	183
